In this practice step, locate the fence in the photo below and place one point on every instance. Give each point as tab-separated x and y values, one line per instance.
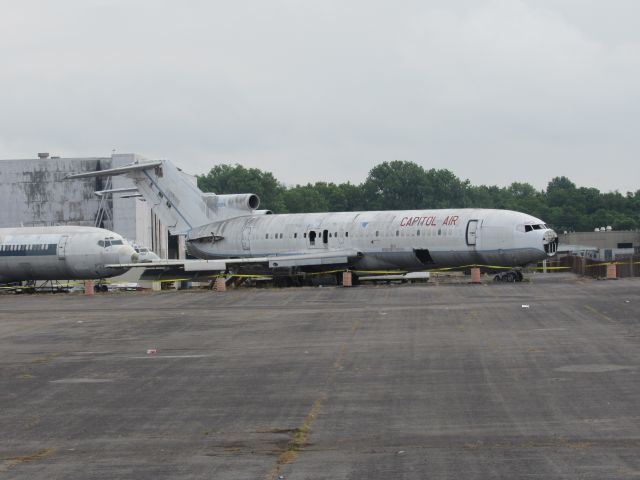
627	266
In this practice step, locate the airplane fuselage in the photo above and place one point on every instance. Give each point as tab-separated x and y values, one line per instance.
405	239
61	253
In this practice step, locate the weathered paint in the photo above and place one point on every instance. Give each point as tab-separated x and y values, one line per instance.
381	237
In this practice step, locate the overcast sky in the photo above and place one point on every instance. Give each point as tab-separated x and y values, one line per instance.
496	91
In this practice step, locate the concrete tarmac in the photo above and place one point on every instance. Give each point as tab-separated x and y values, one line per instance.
532	380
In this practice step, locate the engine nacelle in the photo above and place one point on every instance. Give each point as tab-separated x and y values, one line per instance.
246	202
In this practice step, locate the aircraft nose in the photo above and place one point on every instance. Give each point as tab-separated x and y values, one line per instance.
550	242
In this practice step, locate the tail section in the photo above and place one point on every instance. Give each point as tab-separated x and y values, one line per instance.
176	199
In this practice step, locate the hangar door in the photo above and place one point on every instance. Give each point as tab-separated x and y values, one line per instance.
472	229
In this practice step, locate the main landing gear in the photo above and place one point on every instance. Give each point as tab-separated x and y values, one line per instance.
510	276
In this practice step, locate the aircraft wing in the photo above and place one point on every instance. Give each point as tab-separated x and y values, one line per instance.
327	257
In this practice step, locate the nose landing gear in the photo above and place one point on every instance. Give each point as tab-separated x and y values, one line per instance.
510	276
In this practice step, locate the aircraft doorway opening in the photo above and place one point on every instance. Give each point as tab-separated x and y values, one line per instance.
472	230
319	238
173	247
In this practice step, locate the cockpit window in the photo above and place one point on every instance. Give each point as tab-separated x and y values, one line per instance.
538	226
116	242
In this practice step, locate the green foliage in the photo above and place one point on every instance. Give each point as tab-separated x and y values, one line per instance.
400	185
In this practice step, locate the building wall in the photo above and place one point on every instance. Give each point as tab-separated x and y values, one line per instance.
34	192
601	240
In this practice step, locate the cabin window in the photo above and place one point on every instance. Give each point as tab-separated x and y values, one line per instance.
439	231
330	235
377	233
335	234
305	235
346	234
266	235
295	235
418	233
281	235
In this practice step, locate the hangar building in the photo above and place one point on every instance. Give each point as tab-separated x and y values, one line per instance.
34	192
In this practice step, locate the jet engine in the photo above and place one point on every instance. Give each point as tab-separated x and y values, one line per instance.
247	202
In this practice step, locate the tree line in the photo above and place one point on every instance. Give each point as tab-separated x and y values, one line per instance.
400	185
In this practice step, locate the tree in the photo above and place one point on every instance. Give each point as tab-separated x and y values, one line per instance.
395	185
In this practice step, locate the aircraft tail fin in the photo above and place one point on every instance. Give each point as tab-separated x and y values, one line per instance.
175	198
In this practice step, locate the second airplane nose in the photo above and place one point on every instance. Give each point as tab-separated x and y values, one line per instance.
127	254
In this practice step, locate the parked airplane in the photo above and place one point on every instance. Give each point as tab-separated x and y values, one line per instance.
61	253
229	232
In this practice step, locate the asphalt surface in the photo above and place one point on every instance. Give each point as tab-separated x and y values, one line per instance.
530	380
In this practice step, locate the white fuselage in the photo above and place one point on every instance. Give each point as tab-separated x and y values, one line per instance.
61	253
406	239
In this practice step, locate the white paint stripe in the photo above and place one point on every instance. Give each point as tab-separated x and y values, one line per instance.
173	356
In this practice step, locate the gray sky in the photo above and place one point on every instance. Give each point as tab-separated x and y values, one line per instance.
496	91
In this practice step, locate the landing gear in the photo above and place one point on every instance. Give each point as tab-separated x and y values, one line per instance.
510	276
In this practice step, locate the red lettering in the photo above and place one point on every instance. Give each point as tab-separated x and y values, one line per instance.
402	222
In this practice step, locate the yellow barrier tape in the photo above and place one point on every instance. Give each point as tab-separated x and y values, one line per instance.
167	280
606	263
327	272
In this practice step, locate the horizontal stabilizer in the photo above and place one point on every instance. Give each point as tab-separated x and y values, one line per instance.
116	171
100	193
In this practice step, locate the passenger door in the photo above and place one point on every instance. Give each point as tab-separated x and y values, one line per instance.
62	245
472	232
